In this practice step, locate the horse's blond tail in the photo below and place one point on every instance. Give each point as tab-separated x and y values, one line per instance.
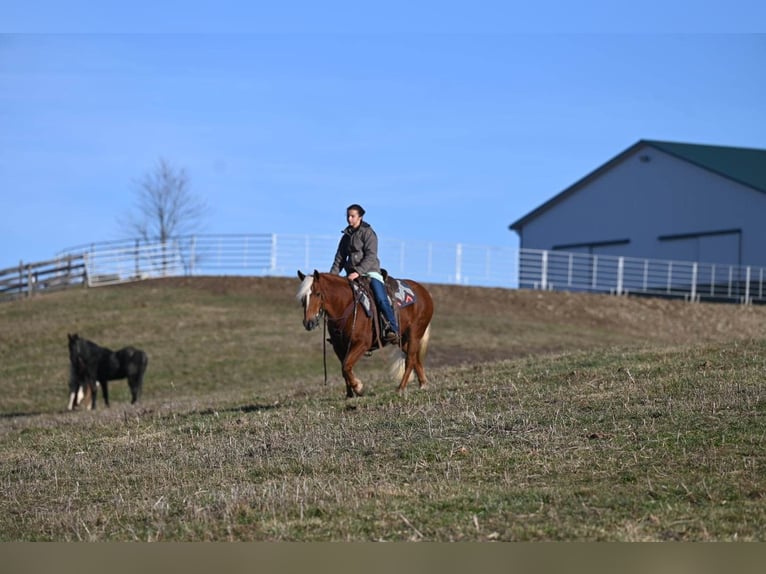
398	359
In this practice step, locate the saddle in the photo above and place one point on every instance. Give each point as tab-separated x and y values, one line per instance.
399	295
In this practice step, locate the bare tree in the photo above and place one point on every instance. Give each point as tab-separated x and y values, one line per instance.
165	205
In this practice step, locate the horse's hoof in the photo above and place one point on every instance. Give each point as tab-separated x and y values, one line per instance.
359	390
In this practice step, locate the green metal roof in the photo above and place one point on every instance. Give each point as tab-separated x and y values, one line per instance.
746	166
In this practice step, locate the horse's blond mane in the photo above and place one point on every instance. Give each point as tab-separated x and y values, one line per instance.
305	288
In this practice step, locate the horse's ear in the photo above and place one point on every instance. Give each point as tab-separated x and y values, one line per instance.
316	274
301	276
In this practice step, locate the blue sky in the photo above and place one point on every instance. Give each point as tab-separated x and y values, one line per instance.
445	129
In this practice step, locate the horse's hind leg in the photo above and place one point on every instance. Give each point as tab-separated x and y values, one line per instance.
421	373
412	361
136	377
135	382
410	351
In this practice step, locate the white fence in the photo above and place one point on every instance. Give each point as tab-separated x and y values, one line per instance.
141	261
691	280
269	254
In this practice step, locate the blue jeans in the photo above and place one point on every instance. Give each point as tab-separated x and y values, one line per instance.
381	299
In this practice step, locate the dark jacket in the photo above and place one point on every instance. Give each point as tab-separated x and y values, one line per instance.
357	251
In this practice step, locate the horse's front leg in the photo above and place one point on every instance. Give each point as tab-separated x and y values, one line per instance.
354	386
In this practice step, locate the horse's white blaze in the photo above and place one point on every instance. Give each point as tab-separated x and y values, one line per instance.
304	292
305	289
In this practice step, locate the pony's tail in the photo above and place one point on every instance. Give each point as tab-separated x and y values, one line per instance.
398	359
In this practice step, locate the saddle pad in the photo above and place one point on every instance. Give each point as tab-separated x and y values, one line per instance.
363	298
404	295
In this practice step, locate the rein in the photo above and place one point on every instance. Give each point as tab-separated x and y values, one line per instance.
352	306
324	348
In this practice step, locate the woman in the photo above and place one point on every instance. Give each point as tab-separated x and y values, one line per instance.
357	254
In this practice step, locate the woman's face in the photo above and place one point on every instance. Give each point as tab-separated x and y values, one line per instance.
353	218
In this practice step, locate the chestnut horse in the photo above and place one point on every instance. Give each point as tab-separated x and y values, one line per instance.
351	329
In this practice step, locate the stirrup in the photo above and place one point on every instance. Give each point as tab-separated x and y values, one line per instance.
390	336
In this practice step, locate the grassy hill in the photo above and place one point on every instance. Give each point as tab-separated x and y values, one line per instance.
551	416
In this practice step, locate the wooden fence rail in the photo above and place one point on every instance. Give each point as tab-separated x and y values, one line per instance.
28	279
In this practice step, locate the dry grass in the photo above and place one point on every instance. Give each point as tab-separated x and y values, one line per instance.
550	417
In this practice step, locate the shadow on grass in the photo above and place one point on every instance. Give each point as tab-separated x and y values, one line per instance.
20	415
243	409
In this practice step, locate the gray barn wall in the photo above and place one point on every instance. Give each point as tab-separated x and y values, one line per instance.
641	201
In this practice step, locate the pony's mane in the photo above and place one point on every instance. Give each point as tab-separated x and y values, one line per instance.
305	288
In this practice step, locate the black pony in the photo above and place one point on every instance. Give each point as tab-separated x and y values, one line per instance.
91	365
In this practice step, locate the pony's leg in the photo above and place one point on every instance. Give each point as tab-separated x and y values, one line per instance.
136	382
136	377
135	388
74	390
90	395
105	390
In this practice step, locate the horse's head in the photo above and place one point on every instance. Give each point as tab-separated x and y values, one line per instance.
74	345
77	353
310	296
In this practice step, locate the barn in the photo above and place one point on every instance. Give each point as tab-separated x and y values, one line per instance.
661	201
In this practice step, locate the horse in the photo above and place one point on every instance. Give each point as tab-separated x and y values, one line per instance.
352	330
91	365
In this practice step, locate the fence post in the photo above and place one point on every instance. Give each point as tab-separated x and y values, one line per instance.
458	262
747	285
137	264
646	274
670	277
273	257
594	276
544	271
694	281
731	279
193	255
86	269
30	282
620	264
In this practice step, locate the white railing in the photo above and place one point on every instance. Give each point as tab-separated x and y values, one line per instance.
695	281
268	254
140	261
